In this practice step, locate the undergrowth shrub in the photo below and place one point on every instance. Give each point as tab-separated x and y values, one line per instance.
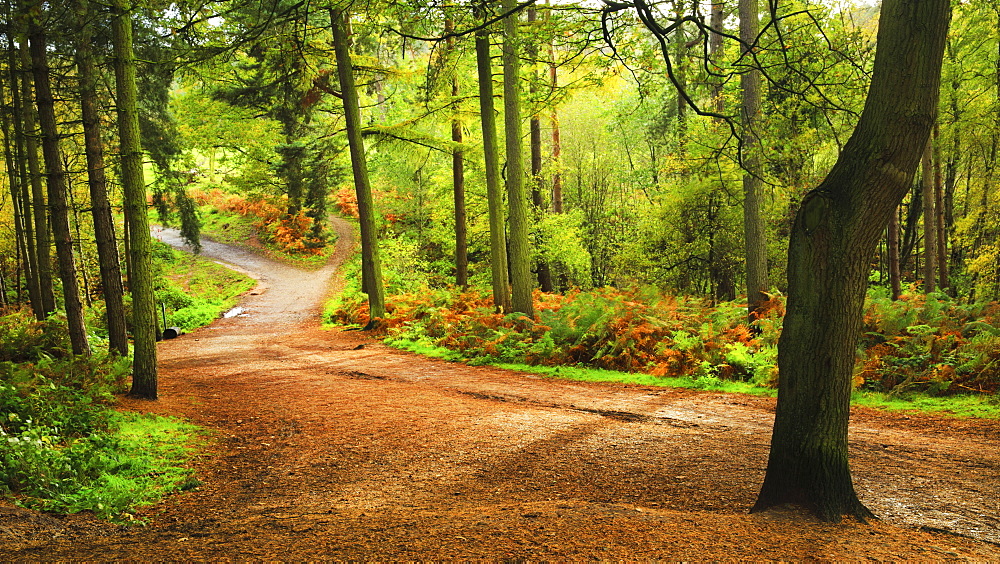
290	233
930	344
62	446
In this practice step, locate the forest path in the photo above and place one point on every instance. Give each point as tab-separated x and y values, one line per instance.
329	445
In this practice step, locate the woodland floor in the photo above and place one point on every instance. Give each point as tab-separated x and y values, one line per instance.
329	445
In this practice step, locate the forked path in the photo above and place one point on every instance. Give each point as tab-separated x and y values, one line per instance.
329	445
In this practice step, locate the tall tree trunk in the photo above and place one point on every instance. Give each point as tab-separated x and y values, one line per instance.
371	265
20	196
517	199
494	196
930	217
43	238
557	195
715	46
56	186
895	280
753	220
535	142
833	238
940	239
107	247
140	264
458	175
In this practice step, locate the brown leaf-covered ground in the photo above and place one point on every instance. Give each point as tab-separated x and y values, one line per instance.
328	445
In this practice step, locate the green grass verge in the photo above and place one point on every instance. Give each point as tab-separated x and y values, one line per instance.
195	290
965	406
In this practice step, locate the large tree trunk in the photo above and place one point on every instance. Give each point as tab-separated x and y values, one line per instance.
55	180
833	238
517	200
140	274
753	220
107	247
43	238
371	265
494	197
458	175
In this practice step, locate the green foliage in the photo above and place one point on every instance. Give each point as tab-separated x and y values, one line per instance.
929	343
62	446
195	291
22	338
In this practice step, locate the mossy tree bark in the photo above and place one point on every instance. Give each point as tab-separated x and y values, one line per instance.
517	199
494	197
833	238
371	265
107	247
458	173
43	237
144	324
20	194
55	182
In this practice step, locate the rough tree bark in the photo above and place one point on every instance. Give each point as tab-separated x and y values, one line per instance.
55	181
517	200
107	247
494	197
833	238
140	248
371	264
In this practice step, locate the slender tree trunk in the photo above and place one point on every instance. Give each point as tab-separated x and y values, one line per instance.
517	200
56	185
494	196
535	141
43	238
833	238
557	193
20	197
942	242
371	265
140	272
715	46
107	247
930	217
895	280
753	220
458	175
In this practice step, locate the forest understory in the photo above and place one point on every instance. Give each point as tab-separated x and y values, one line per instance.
328	444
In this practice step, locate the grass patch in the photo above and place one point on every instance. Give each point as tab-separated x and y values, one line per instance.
963	406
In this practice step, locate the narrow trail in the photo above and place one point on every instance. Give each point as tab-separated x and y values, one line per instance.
329	445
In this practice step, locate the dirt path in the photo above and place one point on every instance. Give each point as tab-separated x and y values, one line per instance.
328	445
